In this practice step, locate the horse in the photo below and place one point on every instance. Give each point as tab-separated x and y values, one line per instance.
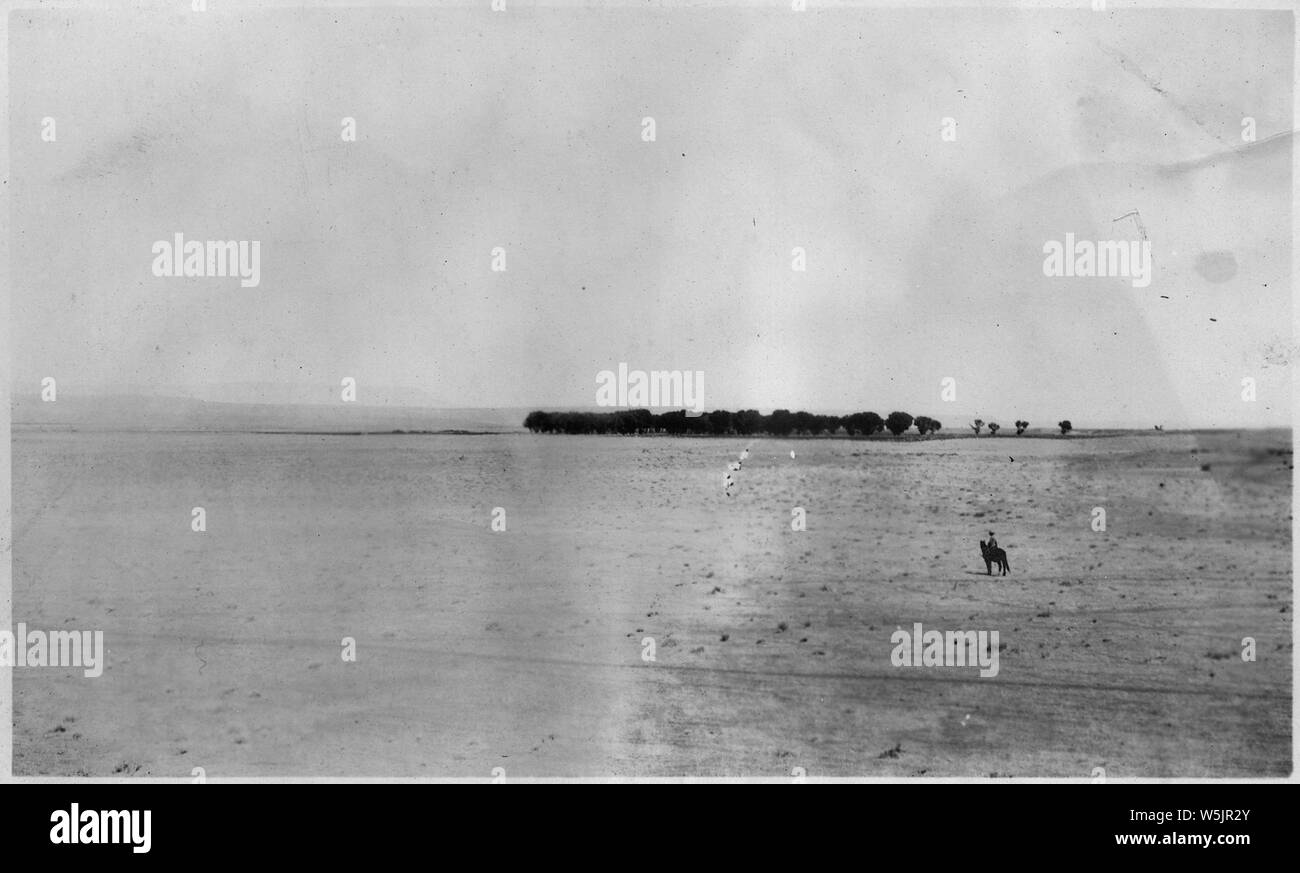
994	555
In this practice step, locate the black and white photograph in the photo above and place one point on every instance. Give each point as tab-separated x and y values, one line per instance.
787	391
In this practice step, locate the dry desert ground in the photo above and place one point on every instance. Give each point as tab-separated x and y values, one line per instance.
523	648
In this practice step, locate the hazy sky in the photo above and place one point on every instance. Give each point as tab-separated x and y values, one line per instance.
773	130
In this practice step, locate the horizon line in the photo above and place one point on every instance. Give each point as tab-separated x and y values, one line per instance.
360	404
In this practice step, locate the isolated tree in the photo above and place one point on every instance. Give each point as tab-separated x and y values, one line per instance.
994	427
1021	427
935	425
1065	426
897	422
922	424
976	425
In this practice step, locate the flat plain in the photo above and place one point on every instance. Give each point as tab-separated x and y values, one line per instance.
527	648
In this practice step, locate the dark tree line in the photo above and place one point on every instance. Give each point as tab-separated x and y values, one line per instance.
720	422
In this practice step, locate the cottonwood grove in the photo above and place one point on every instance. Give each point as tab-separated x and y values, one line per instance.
782	422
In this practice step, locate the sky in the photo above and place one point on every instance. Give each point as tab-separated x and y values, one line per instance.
522	130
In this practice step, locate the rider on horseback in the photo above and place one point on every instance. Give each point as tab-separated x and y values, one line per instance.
991	554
